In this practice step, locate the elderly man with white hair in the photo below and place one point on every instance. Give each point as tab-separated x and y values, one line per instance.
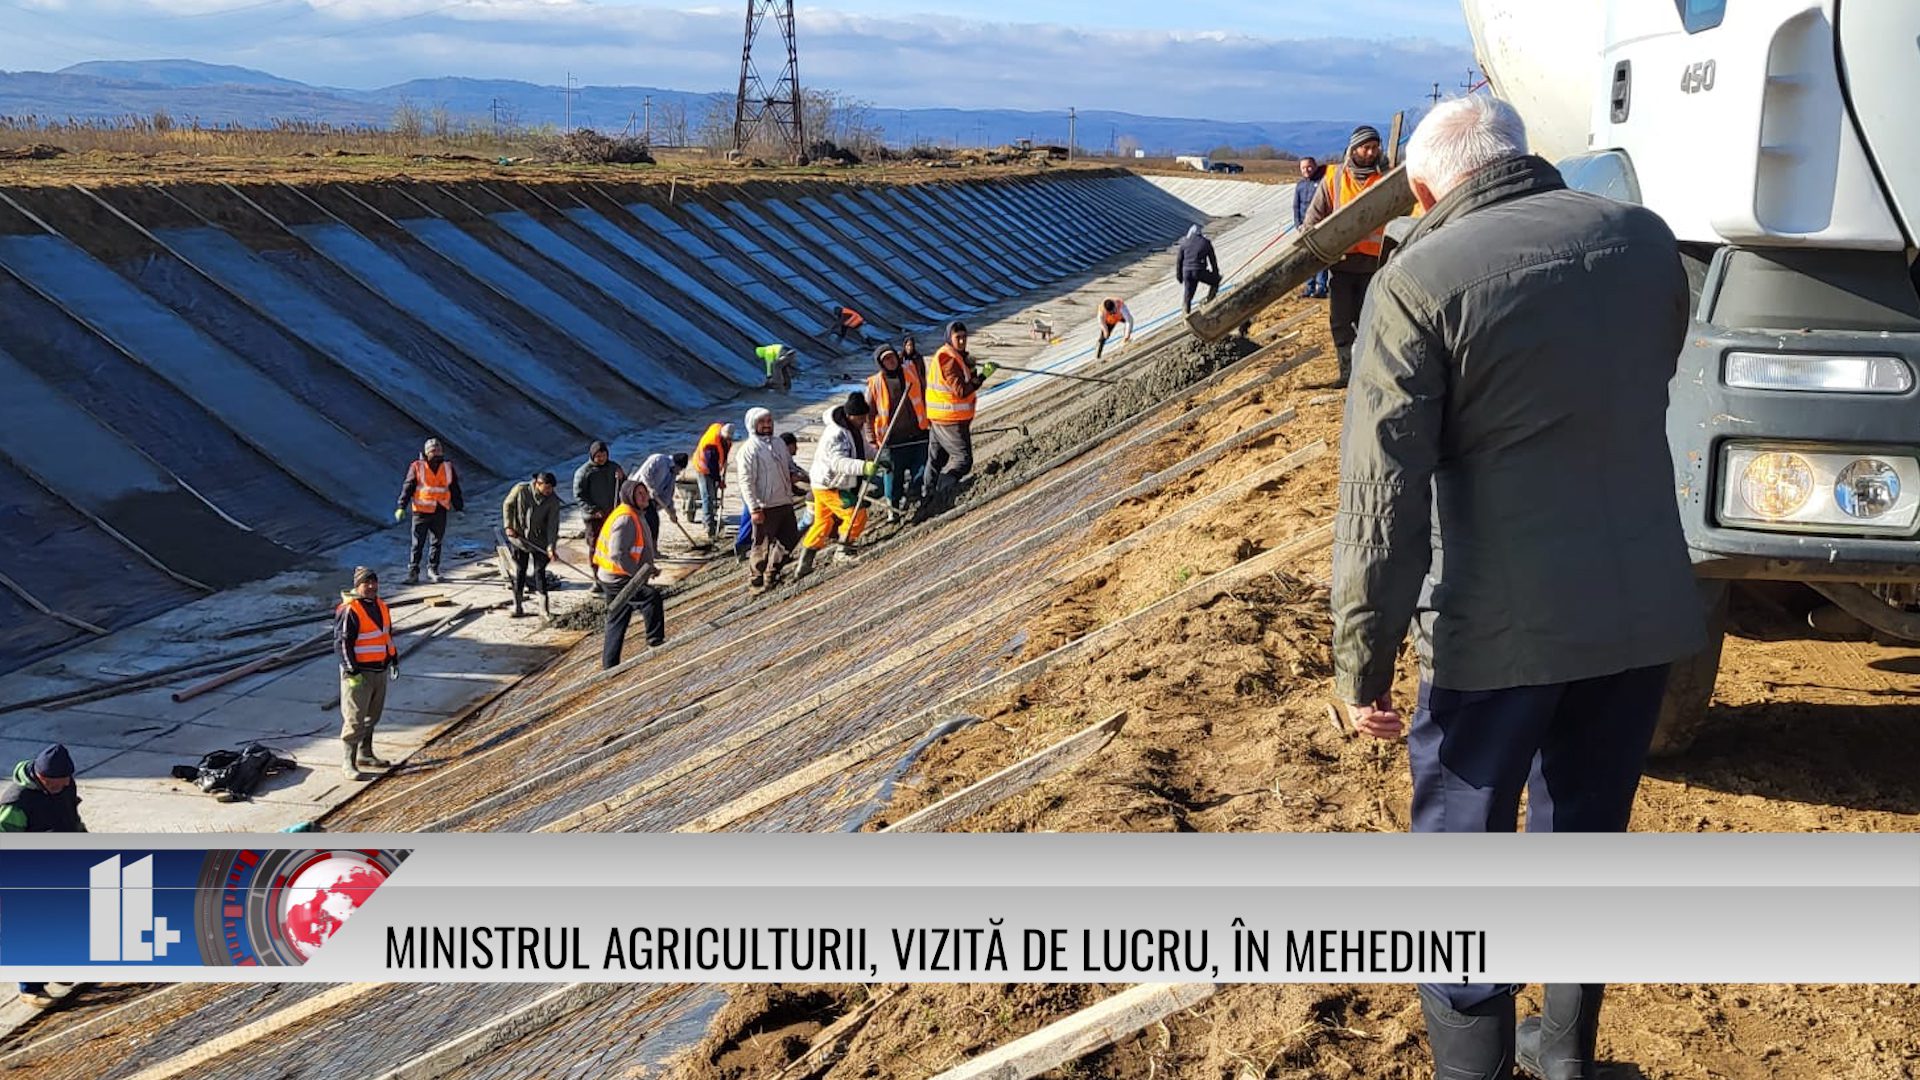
1505	487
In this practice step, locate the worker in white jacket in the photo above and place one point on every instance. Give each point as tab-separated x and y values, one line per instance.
843	465
766	488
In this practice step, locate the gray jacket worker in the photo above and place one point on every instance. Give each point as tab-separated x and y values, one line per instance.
530	516
596	487
766	489
1505	478
1194	265
363	643
660	472
626	550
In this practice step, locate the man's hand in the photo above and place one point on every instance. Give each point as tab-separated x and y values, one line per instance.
987	369
553	552
759	516
399	513
513	534
1380	719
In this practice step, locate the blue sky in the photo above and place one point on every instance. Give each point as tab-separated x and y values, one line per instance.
1219	59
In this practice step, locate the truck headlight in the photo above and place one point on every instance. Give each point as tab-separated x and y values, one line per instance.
1819	374
1803	489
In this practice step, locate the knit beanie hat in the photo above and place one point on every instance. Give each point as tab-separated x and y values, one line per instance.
856	404
364	573
1362	135
54	763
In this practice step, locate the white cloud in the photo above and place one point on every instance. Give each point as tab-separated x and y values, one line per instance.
891	59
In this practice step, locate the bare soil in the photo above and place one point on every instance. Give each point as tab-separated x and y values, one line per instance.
1229	730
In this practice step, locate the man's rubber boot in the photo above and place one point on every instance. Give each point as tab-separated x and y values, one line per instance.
807	555
517	612
1474	1045
351	768
413	576
364	755
1339	382
849	551
546	605
1559	1043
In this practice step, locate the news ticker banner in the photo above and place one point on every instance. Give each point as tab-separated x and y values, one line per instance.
961	908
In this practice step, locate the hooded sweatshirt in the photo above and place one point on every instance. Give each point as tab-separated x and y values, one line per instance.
840	458
765	467
1196	257
597	487
658	473
618	537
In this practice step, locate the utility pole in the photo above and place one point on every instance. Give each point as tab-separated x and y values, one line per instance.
647	103
493	107
1435	96
1072	122
1467	84
569	98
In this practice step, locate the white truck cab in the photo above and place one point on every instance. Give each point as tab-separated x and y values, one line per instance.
1772	136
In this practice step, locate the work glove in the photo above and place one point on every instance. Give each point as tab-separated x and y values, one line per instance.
872	469
987	369
354	680
399	513
393	668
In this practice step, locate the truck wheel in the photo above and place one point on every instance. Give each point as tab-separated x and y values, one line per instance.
1690	681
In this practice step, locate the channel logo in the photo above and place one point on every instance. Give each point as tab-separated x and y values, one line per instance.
233	908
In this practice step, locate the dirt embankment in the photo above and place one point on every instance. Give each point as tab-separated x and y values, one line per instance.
1228	730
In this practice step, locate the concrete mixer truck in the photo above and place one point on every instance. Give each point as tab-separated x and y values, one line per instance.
1775	138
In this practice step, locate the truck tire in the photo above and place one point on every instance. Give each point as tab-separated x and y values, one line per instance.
1683	712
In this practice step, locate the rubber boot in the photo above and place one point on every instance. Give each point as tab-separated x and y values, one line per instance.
351	768
849	550
518	613
1339	382
364	755
1474	1045
546	606
1559	1043
807	555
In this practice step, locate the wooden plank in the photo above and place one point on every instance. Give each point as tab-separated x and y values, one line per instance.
1082	1033
826	1046
1013	779
501	1030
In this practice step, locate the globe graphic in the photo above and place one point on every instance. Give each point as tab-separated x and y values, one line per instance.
322	896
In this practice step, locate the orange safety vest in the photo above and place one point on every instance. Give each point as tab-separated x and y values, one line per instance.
1341	190
432	488
883	408
853	319
374	644
945	402
1115	317
711	438
603	555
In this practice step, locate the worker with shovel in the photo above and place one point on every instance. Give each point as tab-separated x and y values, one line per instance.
842	464
710	467
953	385
363	642
897	401
766	487
660	472
1113	312
780	366
530	516
623	562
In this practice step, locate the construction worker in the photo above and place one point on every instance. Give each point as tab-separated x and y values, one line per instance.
910	354
530	516
843	462
596	487
41	796
432	491
897	400
767	489
953	384
1347	285
780	366
660	473
1311	173
363	643
1195	265
1545	634
624	551
743	537
1113	312
710	468
846	321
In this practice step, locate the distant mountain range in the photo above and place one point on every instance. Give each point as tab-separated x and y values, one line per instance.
220	95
